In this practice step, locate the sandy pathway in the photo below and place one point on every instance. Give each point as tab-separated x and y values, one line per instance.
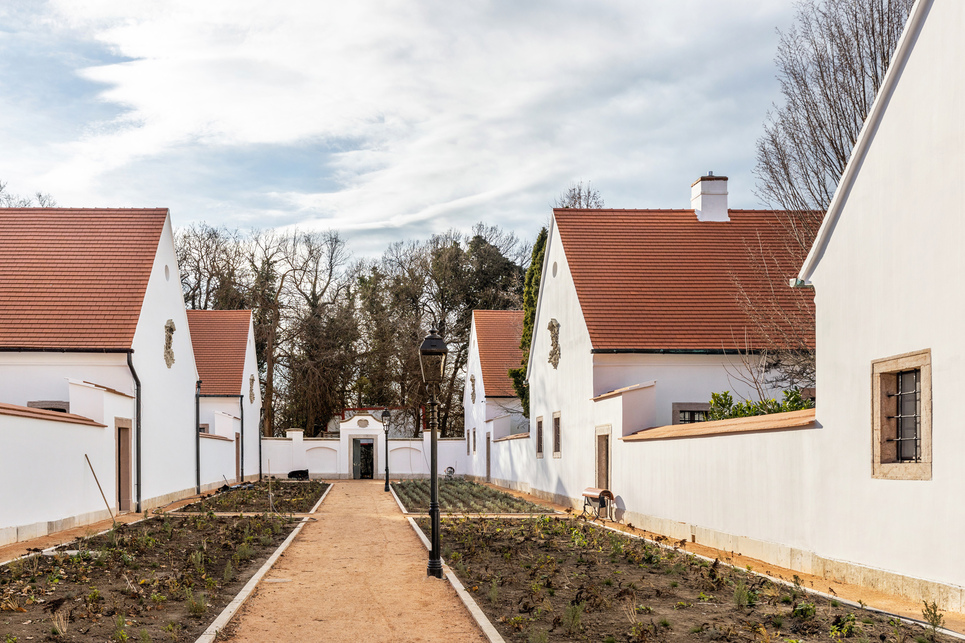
358	574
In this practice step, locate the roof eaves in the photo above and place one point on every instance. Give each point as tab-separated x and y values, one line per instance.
860	150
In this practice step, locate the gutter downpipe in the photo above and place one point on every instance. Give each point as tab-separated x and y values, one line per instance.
197	437
241	403
137	428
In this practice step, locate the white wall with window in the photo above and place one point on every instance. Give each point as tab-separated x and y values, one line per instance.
885	271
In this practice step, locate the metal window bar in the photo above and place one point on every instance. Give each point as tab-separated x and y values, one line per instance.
690	417
907	415
539	437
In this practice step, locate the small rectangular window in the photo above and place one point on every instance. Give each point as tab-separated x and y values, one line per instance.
204	428
901	419
689	412
539	437
474	441
557	437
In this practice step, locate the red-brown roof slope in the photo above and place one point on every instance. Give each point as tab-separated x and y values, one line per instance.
497	334
41	414
220	339
653	280
74	278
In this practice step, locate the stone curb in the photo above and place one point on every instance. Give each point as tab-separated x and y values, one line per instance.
397	501
481	619
211	634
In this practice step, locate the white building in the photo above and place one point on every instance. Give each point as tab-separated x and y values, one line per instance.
357	451
889	316
638	322
491	407
92	323
229	404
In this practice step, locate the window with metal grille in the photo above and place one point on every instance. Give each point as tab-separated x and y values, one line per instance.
539	437
557	438
474	441
908	416
902	417
689	417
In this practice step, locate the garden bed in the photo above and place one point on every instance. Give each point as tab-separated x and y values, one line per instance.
462	496
288	496
561	579
162	579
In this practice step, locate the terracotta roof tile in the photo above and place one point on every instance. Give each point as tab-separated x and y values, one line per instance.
662	280
220	339
74	278
498	333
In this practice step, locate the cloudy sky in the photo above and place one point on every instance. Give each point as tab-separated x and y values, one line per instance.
384	119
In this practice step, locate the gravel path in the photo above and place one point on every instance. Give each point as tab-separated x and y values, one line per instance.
358	574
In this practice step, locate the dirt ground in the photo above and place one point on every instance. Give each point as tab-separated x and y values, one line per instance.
908	608
357	574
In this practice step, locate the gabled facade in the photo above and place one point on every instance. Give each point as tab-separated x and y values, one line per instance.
92	321
638	322
884	269
229	404
491	407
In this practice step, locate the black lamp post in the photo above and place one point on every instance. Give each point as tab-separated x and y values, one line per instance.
385	427
432	357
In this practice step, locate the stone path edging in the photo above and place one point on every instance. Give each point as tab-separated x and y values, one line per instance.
397	501
481	619
211	634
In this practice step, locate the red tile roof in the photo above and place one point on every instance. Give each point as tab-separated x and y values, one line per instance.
497	334
74	278
662	280
220	339
41	414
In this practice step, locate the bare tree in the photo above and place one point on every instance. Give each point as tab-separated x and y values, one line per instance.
40	199
831	64
580	197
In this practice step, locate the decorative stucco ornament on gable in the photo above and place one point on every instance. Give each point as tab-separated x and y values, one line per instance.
251	389
554	329
472	388
168	340
363	423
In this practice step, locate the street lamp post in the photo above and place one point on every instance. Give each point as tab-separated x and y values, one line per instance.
385	427
432	358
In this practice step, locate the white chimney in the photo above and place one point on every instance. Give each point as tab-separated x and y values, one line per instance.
708	198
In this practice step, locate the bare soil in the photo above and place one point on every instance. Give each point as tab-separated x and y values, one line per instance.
165	578
287	496
462	496
561	579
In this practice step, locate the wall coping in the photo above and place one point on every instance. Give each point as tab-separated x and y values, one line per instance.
53	416
514	436
212	436
792	420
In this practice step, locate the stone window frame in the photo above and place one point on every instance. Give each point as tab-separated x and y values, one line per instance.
883	426
557	435
687	406
539	437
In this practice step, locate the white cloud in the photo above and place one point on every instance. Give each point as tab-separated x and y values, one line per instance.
436	113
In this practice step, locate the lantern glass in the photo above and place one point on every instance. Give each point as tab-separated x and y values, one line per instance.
432	358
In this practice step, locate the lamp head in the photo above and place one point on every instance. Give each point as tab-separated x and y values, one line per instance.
432	358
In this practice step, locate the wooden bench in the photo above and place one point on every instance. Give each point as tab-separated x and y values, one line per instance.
597	504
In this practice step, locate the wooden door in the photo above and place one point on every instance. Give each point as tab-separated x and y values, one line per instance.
603	461
237	457
489	477
124	467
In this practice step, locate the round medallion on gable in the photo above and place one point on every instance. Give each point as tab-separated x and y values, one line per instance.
363	423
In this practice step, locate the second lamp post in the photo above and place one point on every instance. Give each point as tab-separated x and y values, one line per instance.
432	358
386	416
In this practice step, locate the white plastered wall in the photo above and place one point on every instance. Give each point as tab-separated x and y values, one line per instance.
34	376
167	394
886	285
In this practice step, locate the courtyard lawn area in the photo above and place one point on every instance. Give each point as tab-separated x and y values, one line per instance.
289	496
561	579
462	496
162	579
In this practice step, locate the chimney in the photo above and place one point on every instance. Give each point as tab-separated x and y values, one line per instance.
708	198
